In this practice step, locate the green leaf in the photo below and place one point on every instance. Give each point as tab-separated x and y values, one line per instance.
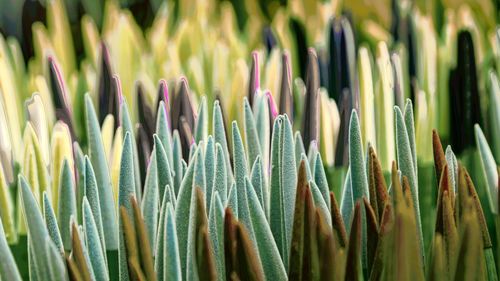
489	168
405	165
299	148
126	189
219	132
320	203
57	266
201	128
182	212
410	129
163	167
209	170
494	110
160	246
288	176
80	174
251	137
199	179
36	231
8	267
269	254
347	202
320	179
172	265
98	159
276	221
356	160
258	183
216	232
163	131
232	200
150	201
91	192
262	126
127	126
51	223
240	176
67	204
177	162
452	162
220	180
93	242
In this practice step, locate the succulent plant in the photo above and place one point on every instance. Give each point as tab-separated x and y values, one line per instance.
263	140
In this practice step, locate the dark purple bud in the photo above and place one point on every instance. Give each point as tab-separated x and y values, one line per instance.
464	94
163	96
143	150
182	106
286	98
342	51
187	139
146	116
108	101
342	150
59	96
254	81
310	121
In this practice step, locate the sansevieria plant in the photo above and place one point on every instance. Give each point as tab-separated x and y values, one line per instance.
249	140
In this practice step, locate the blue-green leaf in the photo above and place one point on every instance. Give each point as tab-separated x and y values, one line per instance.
276	209
272	264
67	204
199	170
182	212
262	125
126	189
160	239
93	243
163	167
299	148
347	203
356	160
258	184
177	160
127	126
452	163
91	192
216	232
150	201
36	231
288	178
489	168
251	137
232	200
320	203
220	180
410	128
57	266
320	179
405	165
201	129
209	169
163	131
98	159
8	267
172	265
220	137
51	223
240	171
